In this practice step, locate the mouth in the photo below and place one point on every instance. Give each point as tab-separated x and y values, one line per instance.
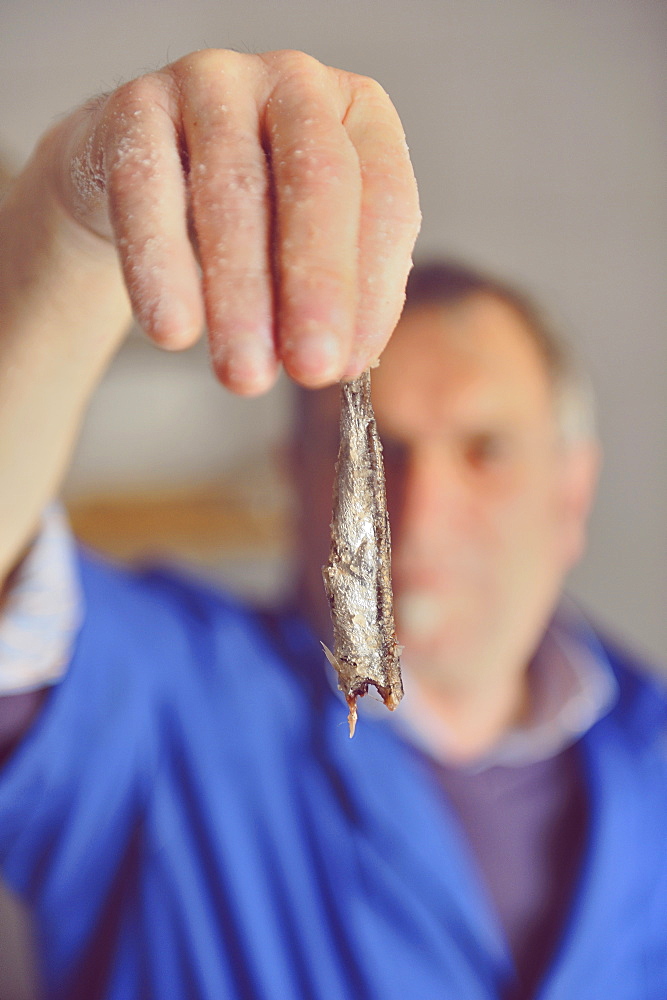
420	613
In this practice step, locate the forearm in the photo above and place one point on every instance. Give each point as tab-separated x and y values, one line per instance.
63	313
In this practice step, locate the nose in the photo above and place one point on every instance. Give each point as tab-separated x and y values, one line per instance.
429	502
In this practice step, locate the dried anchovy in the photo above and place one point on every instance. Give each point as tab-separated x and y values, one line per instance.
357	578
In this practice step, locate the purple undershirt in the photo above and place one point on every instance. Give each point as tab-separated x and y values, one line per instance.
17	712
526	827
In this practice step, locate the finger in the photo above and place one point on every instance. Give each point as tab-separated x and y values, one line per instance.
390	219
148	210
318	198
231	210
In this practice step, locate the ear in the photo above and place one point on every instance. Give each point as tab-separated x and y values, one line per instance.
580	472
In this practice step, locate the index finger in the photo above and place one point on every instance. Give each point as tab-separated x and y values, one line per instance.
389	222
317	189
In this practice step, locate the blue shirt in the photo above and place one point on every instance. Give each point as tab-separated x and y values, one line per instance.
187	818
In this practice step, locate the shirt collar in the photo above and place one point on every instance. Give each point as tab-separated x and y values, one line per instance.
572	686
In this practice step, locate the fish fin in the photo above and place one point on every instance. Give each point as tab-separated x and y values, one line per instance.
350	699
330	656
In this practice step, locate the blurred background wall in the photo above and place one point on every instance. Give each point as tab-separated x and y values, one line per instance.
539	136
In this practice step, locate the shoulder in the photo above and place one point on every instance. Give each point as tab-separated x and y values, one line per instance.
191	642
642	685
158	610
640	711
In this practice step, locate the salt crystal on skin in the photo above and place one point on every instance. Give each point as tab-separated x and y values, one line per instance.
146	277
88	178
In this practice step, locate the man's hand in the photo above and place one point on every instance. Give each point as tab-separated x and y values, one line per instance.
268	195
288	183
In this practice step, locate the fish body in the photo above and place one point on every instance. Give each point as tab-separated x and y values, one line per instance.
357	577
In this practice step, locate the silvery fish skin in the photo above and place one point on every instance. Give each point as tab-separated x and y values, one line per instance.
357	578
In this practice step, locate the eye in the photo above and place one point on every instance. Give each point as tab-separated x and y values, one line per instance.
486	450
394	452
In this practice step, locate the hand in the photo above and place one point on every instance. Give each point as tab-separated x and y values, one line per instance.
288	182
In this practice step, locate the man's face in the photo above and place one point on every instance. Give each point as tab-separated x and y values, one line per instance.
486	505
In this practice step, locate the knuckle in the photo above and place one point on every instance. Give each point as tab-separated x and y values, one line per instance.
198	68
209	62
135	95
305	278
247	180
239	179
298	77
201	61
248	284
238	302
208	68
367	88
132	147
292	62
310	172
129	169
129	166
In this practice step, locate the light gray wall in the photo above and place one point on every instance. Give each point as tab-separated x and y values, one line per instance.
538	131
